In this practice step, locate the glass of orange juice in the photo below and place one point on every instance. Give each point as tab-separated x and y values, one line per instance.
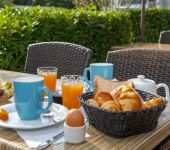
50	76
72	88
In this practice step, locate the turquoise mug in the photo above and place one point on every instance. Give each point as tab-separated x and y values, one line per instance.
29	96
98	69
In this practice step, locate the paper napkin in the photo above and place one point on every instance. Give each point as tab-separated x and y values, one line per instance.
34	137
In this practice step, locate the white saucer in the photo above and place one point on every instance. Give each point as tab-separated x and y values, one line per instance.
15	122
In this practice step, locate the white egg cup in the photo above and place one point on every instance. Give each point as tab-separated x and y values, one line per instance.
74	135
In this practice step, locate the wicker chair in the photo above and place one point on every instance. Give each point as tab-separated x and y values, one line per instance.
154	64
67	57
164	37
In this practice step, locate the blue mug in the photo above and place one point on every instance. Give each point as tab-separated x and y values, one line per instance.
29	96
98	69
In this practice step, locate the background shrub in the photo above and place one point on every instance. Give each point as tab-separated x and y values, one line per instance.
55	3
98	30
156	20
94	29
6	2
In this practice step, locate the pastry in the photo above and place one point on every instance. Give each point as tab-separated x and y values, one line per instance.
152	102
93	102
112	105
156	101
146	104
127	87
128	98
103	97
130	101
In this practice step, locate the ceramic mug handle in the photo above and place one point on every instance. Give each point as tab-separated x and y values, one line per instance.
85	77
50	100
166	89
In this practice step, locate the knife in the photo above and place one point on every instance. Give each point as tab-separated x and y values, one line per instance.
50	141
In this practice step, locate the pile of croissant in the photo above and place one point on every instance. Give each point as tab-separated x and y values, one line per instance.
122	98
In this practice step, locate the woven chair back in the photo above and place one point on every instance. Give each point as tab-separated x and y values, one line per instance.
164	37
67	57
129	63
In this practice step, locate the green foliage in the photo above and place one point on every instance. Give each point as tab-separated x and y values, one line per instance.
94	29
156	20
56	3
97	30
97	4
6	2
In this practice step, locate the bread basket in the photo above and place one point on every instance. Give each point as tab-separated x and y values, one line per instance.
123	124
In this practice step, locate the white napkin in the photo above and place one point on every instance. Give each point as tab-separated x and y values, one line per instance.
35	137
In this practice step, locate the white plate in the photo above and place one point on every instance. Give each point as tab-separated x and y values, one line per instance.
15	122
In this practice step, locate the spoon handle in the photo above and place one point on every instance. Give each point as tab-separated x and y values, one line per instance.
50	141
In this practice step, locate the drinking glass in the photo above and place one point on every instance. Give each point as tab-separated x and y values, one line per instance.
50	76
72	88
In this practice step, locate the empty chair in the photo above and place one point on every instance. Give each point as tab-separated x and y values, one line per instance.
164	37
129	63
67	57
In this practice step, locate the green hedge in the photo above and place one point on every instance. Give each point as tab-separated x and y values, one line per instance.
156	20
94	29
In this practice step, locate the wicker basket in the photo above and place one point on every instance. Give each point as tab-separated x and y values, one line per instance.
123	124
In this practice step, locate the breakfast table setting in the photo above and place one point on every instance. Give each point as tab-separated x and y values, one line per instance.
97	112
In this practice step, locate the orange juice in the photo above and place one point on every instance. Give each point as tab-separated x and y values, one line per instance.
70	93
50	80
50	77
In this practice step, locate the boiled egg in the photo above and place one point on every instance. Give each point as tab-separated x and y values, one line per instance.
74	118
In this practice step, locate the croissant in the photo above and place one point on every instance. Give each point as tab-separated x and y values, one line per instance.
93	102
112	105
152	102
103	97
128	87
128	98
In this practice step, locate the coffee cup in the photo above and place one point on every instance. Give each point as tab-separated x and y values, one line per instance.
98	69
29	96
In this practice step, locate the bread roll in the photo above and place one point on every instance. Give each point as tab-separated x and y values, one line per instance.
146	104
112	105
130	101
103	97
116	93
128	98
93	102
152	102
156	101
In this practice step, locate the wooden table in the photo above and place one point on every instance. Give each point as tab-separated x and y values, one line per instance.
141	45
9	139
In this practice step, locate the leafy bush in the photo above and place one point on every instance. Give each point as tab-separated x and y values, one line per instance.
97	4
56	3
6	2
156	20
94	29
